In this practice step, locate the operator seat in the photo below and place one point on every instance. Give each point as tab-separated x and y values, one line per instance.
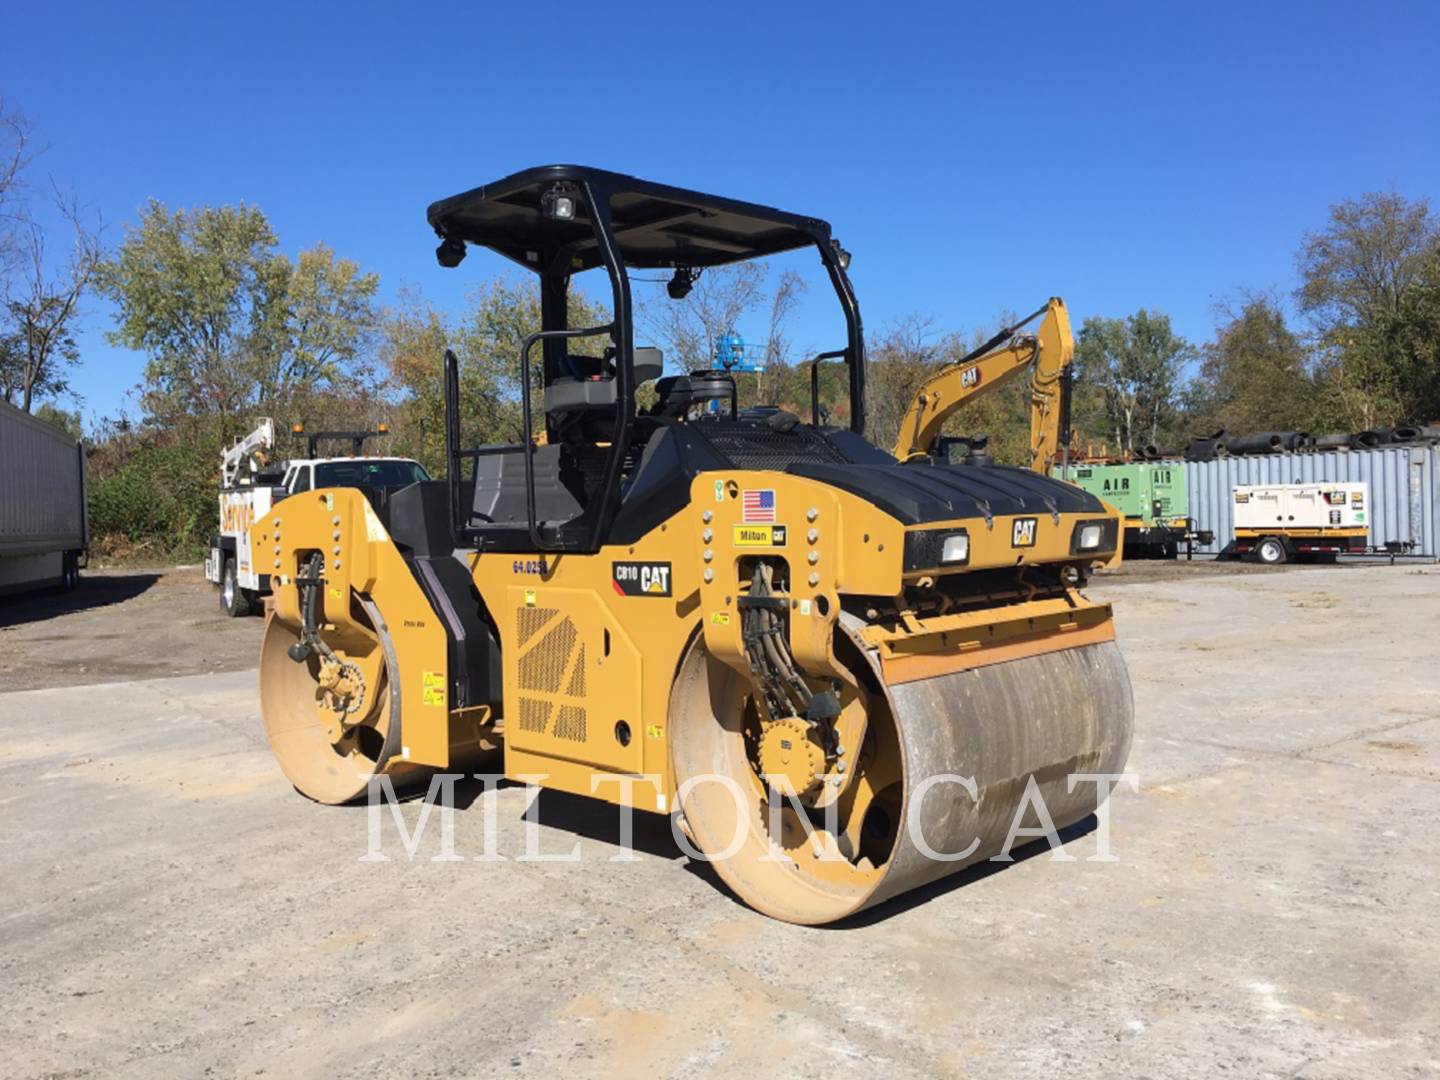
591	386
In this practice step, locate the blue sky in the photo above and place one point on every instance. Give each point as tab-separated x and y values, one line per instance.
1118	155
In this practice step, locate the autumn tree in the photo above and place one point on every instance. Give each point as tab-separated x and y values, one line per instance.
14	155
720	298
42	282
486	339
1254	376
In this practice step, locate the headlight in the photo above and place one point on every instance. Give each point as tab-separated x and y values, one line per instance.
930	549
955	549
1094	536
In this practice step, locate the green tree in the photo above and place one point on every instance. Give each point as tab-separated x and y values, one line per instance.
1356	275
1400	351
230	325
67	421
1254	375
1131	370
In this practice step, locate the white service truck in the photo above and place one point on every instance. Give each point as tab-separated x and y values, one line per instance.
251	482
1278	522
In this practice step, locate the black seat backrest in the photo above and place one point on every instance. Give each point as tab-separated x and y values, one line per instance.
500	487
590	386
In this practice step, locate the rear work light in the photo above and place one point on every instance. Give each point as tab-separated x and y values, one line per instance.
931	549
955	549
1091	537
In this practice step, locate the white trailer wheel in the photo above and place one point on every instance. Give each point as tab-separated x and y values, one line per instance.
1270	551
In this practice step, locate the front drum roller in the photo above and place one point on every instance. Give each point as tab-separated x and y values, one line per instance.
330	754
1048	716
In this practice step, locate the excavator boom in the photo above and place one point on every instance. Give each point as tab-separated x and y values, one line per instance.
1048	352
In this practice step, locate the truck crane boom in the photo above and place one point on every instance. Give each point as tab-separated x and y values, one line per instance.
249	449
1049	352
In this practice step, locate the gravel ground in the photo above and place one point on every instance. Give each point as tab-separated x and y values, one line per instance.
120	625
174	908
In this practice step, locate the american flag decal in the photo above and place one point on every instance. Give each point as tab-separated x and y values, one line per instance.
758	506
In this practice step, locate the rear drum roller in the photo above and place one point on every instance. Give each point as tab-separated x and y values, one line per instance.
1046	716
333	721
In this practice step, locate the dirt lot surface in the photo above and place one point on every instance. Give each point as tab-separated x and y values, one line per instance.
120	625
173	908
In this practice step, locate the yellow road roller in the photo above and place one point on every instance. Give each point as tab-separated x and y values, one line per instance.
844	674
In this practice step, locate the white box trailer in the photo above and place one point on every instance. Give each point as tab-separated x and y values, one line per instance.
1276	522
44	526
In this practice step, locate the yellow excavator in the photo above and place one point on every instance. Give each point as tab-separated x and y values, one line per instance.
1047	355
845	674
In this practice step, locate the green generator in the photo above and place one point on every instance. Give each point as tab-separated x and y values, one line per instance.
1154	500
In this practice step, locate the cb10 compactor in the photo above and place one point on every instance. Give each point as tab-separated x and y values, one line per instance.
773	629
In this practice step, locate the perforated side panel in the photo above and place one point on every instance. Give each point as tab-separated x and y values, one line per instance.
529	619
551	657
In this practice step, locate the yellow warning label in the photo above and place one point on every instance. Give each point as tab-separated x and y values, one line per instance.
529	597
336	594
434	688
654	731
720	618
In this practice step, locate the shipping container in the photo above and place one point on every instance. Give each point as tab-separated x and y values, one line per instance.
1402	489
44	528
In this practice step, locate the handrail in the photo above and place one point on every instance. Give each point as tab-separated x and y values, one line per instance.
815	380
452	447
528	427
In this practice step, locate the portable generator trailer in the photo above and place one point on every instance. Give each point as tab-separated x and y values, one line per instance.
1275	523
252	481
773	629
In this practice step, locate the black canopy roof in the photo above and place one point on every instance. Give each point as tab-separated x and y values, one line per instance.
655	225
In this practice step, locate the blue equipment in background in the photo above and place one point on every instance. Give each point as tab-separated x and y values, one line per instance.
732	354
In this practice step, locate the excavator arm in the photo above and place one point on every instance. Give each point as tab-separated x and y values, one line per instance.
1048	352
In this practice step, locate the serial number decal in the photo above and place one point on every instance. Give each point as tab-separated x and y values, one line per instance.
529	566
1024	533
641	578
759	535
